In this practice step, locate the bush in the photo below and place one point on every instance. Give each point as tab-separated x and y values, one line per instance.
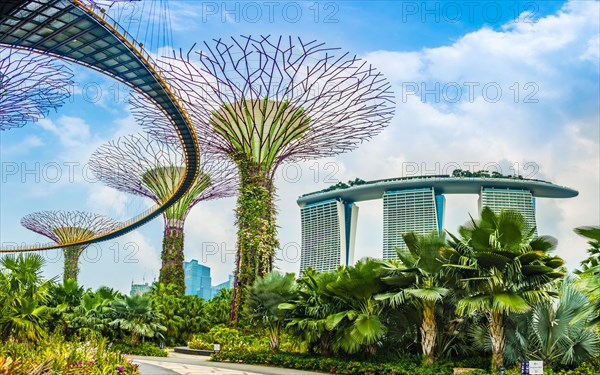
230	339
200	344
587	368
409	365
404	366
146	349
56	356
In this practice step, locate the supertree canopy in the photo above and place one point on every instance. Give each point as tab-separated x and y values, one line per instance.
262	101
30	86
65	227
141	165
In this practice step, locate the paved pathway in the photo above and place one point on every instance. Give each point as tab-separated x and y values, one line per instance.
184	364
148	369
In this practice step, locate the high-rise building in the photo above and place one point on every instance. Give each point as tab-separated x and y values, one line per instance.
224	285
139	289
410	204
509	199
328	234
197	280
413	210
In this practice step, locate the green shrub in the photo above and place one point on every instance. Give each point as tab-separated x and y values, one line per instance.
200	344
146	349
55	356
404	366
232	339
587	368
409	365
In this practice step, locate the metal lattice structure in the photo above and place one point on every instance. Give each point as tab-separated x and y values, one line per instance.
141	165
67	227
78	31
324	102
30	86
263	101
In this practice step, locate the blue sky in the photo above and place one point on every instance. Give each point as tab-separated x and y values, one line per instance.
542	56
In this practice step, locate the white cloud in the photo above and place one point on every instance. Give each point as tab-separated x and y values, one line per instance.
27	144
71	131
555	55
108	201
559	133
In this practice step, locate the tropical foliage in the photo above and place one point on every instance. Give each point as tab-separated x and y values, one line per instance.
407	365
262	307
590	274
418	277
24	296
493	291
56	356
494	288
503	270
136	315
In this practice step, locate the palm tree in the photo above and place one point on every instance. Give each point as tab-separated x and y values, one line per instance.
357	325
94	313
24	295
593	235
556	332
262	306
64	298
418	277
108	293
559	331
136	315
503	269
218	309
68	293
168	301
310	308
590	274
195	318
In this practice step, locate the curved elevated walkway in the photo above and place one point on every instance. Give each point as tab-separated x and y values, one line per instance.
76	31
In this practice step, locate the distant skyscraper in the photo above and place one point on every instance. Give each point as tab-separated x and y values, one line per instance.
509	199
197	280
139	289
328	234
224	285
410	204
413	210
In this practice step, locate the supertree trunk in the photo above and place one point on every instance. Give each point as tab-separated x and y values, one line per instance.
71	262
267	100
171	271
256	242
68	227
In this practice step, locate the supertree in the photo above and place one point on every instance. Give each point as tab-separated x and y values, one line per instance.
30	86
65	227
262	101
141	165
